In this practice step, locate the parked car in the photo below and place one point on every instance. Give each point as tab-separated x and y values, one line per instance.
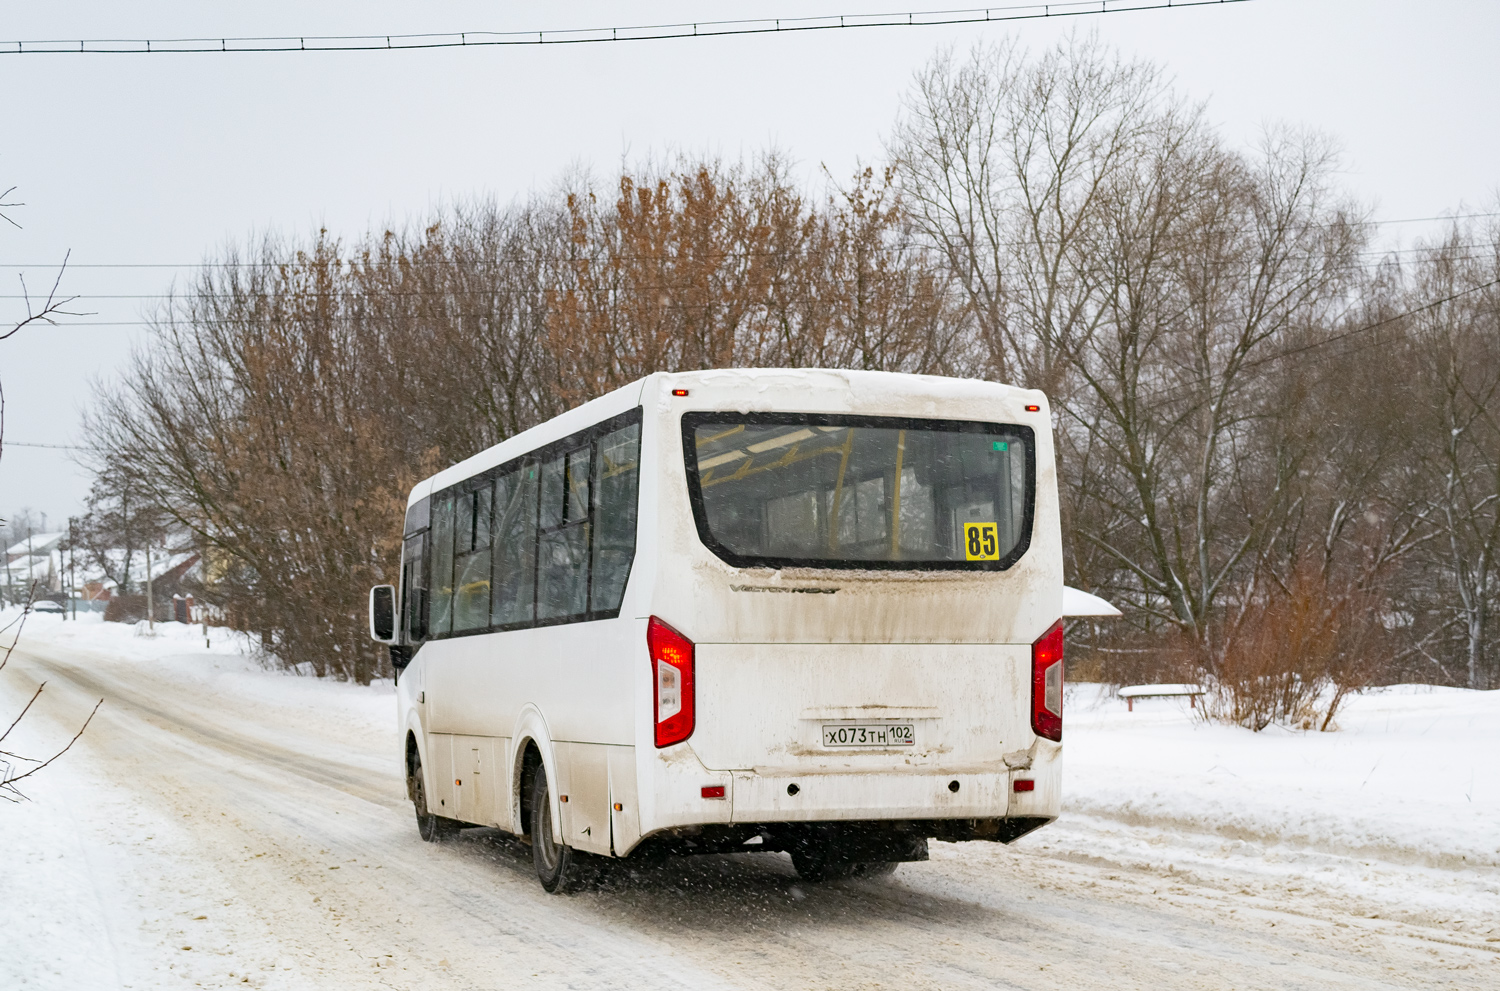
48	606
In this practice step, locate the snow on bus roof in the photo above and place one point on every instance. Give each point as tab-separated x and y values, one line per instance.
857	387
575	419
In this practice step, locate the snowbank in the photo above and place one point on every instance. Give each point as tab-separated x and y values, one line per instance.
1392	816
233	687
1409	777
124	640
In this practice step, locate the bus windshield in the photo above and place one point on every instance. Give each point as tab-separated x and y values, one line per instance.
782	490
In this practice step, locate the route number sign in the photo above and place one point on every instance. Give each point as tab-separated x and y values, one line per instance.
981	542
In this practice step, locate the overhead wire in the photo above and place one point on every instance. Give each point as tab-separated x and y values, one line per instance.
1366	328
583	36
1227	267
506	293
727	254
1171	393
1186	389
1476	251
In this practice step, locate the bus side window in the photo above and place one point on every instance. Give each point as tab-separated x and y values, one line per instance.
563	538
471	551
414	589
440	610
618	467
515	547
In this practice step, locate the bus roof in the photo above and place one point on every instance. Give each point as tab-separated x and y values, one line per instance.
753	390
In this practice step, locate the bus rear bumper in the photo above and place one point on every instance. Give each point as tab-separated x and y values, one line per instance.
889	840
825	797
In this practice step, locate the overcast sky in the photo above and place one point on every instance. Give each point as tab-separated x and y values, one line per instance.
161	159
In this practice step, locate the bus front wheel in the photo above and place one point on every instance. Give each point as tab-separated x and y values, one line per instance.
558	866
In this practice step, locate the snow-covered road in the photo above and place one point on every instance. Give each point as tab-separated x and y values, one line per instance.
223	826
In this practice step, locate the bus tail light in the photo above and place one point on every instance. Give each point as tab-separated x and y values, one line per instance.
1047	683
672	682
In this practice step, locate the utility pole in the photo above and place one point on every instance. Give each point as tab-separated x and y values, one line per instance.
150	607
202	612
72	570
125	523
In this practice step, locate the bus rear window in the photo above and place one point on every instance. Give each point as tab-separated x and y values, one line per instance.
787	490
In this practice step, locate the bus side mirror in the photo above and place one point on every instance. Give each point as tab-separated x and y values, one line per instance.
383	613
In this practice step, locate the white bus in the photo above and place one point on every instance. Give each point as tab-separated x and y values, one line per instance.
808	611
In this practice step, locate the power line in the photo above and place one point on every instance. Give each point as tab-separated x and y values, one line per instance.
1231	268
55	447
1013	244
1476	251
582	36
1366	328
648	290
1288	352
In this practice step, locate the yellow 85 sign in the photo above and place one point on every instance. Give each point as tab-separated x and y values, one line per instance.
981	542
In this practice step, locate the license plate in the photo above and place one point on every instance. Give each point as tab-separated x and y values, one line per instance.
868	735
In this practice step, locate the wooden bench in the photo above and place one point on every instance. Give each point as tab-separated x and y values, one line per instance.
1132	692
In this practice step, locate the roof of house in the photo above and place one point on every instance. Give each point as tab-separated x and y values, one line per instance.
37	543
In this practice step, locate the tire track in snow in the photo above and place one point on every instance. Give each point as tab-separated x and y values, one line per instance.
339	814
117	694
343	885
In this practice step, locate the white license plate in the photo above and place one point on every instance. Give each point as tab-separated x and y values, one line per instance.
868	735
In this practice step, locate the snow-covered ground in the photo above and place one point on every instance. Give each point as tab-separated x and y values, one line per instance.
1396	814
221	825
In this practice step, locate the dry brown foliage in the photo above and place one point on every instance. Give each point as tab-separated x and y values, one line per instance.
1293	654
293	395
712	268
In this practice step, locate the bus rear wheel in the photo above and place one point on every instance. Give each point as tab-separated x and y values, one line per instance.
432	828
559	867
833	867
823	865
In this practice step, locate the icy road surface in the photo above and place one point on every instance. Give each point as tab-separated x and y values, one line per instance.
220	826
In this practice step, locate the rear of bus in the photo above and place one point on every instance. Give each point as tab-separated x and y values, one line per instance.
854	638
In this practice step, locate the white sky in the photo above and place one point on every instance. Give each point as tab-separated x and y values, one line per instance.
163	158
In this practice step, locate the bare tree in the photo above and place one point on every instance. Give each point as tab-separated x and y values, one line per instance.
1456	287
1119	257
1005	161
16	767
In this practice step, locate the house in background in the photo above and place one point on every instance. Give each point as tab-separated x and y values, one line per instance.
38	561
172	571
42	567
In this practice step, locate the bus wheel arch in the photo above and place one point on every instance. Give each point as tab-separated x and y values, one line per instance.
413	762
528	760
432	827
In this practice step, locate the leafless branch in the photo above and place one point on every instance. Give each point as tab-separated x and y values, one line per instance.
5	217
34	696
9	783
52	307
20	623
